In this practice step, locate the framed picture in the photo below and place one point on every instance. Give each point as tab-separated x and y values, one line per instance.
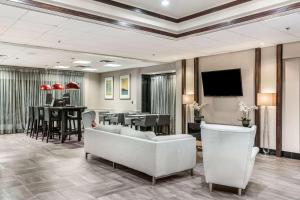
109	88
125	87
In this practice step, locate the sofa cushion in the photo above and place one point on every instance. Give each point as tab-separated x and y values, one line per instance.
171	137
109	128
138	134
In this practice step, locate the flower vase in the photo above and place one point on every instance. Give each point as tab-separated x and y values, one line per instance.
246	122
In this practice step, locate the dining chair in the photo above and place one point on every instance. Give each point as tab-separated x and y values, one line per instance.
30	123
118	118
129	121
146	122
163	121
102	116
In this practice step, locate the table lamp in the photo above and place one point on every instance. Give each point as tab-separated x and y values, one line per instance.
187	99
265	100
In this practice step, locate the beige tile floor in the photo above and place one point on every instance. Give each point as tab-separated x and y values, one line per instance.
35	170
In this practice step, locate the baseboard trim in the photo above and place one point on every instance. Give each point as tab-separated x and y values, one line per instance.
284	154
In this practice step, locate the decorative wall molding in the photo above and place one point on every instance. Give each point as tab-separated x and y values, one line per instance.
66	11
172	19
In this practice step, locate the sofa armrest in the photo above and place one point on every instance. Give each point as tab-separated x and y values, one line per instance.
175	156
255	151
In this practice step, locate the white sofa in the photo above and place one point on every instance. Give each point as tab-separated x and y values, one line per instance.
228	155
158	157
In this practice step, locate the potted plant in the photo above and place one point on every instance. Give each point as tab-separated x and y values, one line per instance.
197	109
245	111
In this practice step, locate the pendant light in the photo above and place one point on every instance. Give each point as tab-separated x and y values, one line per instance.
72	86
45	87
57	86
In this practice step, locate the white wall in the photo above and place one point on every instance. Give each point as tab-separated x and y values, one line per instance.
225	110
92	92
94	89
291	106
290	134
268	85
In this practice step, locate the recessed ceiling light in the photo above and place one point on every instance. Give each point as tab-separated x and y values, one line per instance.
89	69
82	62
61	67
165	2
112	65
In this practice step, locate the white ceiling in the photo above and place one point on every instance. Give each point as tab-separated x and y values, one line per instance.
21	26
26	56
176	8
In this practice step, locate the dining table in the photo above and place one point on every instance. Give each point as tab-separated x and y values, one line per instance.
64	119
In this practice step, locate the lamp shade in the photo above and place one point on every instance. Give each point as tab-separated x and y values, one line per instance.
45	87
72	86
266	99
188	99
57	86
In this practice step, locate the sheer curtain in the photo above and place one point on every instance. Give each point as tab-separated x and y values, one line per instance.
163	96
19	88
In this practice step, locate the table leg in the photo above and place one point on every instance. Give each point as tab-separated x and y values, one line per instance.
79	125
63	126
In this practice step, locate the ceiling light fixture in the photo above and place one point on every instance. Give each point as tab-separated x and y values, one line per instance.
57	86
72	86
112	65
82	62
165	3
61	67
89	69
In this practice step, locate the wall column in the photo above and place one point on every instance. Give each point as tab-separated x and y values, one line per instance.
257	90
183	91
279	87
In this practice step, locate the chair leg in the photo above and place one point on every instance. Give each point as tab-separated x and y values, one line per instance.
74	124
240	192
44	131
192	172
33	128
210	185
153	180
28	127
37	130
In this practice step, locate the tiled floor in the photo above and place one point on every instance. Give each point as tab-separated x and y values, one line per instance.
31	169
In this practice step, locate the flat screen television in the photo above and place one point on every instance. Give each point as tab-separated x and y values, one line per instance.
222	83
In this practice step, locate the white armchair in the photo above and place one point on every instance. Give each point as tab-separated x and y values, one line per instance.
228	155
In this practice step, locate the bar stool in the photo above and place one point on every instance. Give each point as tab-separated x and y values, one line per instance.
49	128
30	123
38	121
71	118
